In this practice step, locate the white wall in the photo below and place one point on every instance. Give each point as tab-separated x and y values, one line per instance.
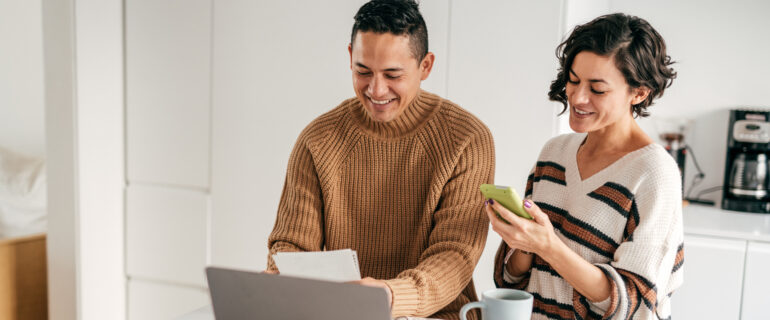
21	77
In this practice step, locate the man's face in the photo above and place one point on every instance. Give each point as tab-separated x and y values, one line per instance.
386	75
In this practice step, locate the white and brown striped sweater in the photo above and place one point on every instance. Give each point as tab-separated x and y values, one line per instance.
625	219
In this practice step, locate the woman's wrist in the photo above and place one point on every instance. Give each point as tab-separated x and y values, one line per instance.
551	248
520	263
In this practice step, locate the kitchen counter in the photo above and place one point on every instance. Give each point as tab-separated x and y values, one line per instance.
714	221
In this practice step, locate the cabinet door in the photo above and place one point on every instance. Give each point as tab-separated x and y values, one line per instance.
756	286
713	274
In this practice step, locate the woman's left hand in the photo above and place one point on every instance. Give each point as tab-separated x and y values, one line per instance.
535	236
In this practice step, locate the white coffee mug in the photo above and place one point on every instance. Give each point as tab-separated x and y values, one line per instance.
502	304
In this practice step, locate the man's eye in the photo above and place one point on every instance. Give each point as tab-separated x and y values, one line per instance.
392	76
364	73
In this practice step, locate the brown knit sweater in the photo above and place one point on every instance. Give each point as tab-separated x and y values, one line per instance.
403	194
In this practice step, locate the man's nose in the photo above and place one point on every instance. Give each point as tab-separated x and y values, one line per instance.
378	87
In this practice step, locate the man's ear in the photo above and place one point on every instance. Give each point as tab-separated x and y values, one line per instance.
350	52
640	94
426	65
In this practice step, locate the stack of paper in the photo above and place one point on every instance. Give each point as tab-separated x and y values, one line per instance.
337	265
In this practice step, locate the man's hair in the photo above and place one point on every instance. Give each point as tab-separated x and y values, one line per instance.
399	17
638	50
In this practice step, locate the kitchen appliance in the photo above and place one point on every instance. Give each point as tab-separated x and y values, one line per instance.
677	149
747	180
672	132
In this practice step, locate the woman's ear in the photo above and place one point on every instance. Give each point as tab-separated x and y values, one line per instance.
640	94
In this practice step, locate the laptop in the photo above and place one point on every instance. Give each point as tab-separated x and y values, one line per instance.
237	295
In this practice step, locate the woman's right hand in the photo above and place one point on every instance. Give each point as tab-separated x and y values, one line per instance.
536	236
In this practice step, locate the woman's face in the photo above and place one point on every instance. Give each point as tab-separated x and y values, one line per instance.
598	94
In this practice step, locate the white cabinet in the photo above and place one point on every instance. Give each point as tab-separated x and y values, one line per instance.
150	300
713	276
168	96
166	234
756	285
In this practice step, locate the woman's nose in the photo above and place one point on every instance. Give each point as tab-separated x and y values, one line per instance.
579	96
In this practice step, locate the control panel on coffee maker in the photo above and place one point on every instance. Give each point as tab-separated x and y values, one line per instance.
747	180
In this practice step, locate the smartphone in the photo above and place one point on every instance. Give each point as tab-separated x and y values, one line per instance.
507	197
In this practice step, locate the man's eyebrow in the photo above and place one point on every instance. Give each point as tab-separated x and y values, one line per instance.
394	69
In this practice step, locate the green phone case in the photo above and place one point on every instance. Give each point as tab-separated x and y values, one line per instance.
507	197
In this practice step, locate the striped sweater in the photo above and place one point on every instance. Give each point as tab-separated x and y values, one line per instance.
625	219
403	194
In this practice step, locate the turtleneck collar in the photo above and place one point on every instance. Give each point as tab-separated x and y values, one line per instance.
416	114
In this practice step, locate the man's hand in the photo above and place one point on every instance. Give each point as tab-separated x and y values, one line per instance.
371	282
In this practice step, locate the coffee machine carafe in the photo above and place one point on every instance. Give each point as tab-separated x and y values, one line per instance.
747	182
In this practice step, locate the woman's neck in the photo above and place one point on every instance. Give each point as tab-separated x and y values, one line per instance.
621	137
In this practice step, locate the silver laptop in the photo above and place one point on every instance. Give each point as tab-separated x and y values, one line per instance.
237	295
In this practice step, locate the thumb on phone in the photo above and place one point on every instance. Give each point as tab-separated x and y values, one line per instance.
537	215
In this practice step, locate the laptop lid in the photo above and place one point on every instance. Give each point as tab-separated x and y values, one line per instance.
249	295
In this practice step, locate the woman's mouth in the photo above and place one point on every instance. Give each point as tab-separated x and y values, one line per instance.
582	113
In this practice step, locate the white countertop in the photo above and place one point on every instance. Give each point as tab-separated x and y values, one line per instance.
714	221
202	313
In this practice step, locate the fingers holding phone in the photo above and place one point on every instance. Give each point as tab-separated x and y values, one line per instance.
534	235
507	197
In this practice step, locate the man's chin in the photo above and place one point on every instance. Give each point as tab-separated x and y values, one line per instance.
380	117
380	114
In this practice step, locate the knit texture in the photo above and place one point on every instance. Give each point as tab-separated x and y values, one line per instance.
403	194
625	219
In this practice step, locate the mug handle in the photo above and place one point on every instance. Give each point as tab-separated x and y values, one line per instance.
468	306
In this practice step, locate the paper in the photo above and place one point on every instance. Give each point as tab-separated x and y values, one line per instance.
337	265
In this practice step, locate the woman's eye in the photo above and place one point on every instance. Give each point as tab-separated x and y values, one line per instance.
572	81
597	92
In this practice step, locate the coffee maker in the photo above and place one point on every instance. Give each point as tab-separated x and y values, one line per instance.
747	180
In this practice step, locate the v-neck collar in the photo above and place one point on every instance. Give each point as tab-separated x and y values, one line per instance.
601	177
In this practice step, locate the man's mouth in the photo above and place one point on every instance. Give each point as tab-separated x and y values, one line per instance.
380	102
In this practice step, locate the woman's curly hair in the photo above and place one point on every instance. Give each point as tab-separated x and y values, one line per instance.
638	50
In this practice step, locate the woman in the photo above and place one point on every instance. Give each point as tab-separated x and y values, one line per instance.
606	238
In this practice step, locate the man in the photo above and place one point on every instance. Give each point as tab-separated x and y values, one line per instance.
392	173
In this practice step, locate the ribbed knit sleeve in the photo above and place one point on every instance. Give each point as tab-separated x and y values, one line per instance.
457	239
299	222
645	268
